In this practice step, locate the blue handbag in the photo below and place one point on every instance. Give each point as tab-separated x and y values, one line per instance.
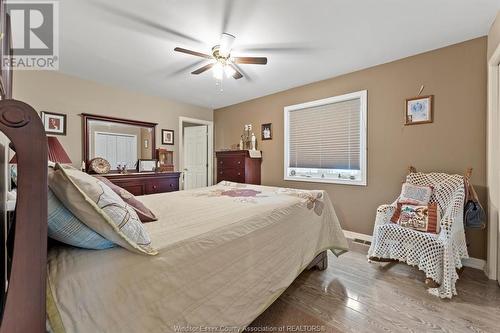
474	215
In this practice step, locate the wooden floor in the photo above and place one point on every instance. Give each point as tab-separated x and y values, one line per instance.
355	296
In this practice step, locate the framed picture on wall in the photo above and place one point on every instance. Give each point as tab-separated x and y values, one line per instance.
54	123
167	137
267	132
418	110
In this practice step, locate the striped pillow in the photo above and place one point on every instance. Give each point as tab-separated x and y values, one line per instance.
424	218
66	228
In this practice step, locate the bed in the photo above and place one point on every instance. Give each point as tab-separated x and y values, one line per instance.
226	252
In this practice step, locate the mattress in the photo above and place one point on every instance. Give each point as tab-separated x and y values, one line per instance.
226	252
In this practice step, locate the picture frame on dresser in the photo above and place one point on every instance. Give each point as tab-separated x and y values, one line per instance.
146	165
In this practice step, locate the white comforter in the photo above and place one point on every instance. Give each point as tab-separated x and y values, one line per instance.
225	254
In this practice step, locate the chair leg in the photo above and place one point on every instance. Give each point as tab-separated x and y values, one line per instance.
430	283
382	259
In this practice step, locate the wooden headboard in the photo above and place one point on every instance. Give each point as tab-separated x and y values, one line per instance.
23	299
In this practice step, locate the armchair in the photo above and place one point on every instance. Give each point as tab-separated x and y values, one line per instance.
438	255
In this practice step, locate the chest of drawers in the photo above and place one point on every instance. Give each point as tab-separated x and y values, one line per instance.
146	183
238	166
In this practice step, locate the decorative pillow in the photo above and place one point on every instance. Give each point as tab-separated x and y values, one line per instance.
66	228
99	208
144	213
423	218
415	195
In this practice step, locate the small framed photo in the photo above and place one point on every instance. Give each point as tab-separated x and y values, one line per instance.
167	137
418	110
146	165
54	123
267	131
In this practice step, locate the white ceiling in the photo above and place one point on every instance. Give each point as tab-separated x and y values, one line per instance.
129	43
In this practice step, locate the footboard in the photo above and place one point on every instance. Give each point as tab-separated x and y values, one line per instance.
24	243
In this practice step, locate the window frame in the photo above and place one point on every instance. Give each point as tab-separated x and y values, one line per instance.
362	95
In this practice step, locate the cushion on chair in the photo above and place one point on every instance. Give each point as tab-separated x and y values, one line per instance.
423	218
144	213
415	194
101	209
66	228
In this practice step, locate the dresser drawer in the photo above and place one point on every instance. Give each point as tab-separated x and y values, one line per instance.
236	162
232	175
147	183
162	185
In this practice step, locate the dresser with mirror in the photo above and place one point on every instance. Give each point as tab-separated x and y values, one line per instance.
129	146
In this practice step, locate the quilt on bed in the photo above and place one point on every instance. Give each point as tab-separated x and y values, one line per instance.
226	252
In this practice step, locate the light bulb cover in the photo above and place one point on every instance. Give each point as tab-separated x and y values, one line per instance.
218	71
226	43
229	70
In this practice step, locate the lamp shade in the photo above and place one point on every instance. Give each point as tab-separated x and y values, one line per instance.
56	152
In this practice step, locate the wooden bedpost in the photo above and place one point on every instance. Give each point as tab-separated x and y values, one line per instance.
24	302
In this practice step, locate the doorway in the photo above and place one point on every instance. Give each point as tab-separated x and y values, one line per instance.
493	166
196	152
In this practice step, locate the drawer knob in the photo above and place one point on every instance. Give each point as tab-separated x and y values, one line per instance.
220	172
239	162
155	187
239	174
171	185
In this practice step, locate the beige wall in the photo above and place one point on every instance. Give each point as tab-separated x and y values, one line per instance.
56	92
455	75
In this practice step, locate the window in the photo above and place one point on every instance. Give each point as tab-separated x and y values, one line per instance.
325	140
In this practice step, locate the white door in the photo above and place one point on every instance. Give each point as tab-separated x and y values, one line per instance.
195	157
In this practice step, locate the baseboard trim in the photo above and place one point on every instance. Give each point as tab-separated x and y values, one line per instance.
474	263
356	235
470	262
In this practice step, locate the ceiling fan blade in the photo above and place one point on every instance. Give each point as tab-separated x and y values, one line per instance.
237	75
250	60
197	54
202	69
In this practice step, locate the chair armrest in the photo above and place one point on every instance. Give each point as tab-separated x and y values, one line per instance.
384	214
452	219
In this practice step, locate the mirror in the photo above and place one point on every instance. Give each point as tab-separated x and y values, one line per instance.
119	141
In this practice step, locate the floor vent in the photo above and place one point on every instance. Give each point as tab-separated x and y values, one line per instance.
360	241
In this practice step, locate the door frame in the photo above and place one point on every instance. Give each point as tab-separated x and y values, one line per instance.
210	146
493	176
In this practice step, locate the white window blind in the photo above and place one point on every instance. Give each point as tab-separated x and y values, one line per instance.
325	140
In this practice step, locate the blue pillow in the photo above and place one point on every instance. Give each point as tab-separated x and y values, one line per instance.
66	228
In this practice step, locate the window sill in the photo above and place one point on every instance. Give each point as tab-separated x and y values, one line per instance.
327	181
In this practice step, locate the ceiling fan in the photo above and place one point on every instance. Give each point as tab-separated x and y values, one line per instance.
221	60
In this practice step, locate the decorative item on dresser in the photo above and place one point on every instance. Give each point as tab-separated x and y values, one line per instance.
239	166
165	159
146	183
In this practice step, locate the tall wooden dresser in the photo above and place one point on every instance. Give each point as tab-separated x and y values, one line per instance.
238	166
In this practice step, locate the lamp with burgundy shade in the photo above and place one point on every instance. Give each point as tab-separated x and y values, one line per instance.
56	152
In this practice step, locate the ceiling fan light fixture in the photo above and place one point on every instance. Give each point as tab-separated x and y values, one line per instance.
226	43
229	71
218	71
